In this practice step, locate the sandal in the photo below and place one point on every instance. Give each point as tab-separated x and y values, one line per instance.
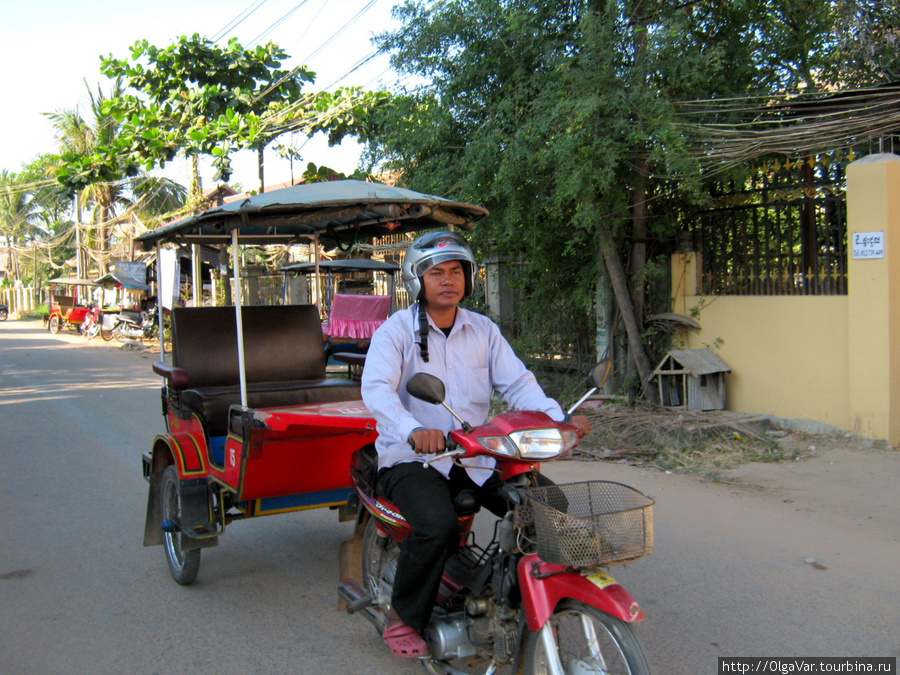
404	641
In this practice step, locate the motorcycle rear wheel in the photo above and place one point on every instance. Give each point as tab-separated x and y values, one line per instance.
586	641
119	335
183	565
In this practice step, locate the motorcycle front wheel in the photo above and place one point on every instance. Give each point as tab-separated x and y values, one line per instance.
581	640
183	565
92	331
4	313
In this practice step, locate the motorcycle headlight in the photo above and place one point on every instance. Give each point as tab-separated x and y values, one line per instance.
529	443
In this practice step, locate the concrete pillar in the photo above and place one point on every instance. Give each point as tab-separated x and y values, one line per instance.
873	207
296	289
498	294
685	266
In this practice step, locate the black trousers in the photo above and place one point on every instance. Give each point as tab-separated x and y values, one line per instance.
425	498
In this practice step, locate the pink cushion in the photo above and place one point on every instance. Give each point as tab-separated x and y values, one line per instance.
357	316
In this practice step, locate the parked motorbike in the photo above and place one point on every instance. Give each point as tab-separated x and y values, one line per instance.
90	326
4	312
534	600
135	325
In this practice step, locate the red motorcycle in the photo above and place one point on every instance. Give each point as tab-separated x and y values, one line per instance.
535	599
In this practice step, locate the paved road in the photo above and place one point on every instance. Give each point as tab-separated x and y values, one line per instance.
79	594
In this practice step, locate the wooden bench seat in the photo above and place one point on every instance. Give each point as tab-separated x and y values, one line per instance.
284	356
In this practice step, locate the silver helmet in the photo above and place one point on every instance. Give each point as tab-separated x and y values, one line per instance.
433	249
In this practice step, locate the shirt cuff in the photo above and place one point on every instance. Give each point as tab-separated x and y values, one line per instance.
406	427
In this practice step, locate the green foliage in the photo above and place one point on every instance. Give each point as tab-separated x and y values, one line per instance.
200	98
564	119
320	174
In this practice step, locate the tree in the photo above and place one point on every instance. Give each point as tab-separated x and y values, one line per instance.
87	166
563	118
201	99
17	217
54	242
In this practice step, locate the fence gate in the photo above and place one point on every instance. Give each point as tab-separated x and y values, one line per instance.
783	232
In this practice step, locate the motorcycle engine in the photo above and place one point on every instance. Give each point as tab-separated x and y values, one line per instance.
460	635
448	638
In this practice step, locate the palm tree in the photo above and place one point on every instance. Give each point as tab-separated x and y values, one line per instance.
104	198
18	214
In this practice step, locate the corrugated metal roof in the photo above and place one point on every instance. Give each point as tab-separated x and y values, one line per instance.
695	361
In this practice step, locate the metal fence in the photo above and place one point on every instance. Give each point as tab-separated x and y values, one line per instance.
783	231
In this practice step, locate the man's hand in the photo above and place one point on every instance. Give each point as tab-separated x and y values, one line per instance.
582	425
427	441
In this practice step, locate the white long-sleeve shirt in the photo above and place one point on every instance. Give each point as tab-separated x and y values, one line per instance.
474	360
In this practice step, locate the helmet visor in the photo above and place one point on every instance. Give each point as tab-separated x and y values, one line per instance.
437	258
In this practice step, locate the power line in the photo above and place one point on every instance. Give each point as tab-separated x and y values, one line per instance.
280	21
340	31
359	64
315	52
312	22
235	22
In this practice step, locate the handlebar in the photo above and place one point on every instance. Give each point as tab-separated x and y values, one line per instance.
452	449
450	453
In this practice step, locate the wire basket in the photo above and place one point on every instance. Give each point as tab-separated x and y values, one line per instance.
591	524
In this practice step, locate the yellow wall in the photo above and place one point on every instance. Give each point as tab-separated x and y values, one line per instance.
788	355
832	359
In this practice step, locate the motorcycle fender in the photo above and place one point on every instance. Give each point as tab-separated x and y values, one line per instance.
544	585
189	456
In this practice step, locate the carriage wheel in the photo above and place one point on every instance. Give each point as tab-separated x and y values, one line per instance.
183	565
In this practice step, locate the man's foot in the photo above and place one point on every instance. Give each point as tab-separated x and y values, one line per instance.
404	641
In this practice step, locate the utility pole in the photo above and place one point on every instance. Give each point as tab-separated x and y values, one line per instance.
79	272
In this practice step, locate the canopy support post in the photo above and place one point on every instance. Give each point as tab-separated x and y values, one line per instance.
236	265
159	307
315	251
196	276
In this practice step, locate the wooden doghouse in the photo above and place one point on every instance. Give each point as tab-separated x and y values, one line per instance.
693	379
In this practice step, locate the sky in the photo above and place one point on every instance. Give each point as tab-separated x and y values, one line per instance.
49	48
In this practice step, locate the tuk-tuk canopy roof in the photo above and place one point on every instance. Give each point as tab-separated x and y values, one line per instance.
345	265
116	279
337	212
72	281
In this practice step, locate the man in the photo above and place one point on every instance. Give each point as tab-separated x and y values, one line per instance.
468	353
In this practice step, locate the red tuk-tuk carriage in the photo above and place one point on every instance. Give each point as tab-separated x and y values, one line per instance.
253	425
70	301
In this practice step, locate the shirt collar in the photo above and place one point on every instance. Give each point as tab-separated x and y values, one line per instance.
463	318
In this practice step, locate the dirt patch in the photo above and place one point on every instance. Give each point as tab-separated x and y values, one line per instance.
844	479
683	441
841	477
710	444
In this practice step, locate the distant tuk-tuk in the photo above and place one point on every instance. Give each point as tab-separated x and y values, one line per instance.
351	316
70	301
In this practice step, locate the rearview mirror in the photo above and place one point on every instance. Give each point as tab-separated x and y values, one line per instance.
426	388
600	373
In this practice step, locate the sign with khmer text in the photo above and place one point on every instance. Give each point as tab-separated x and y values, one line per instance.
867	245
